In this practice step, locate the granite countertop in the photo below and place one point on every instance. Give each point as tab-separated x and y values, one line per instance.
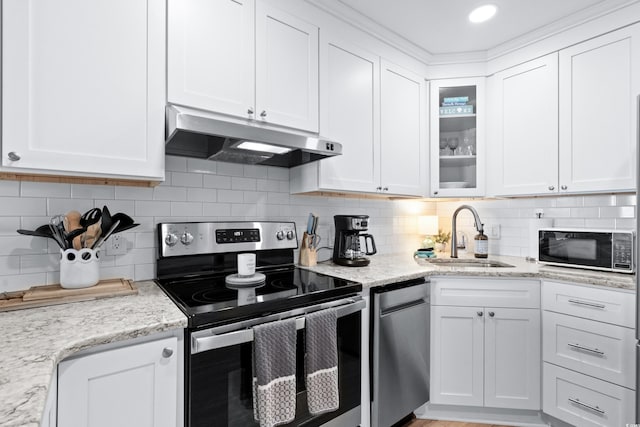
36	339
393	268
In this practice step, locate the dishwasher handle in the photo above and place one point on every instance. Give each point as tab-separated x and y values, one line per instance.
403	306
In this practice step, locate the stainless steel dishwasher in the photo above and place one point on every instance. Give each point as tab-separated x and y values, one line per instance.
399	350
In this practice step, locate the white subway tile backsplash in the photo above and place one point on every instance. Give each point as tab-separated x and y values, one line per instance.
202	195
18	282
230	169
170	193
9	188
180	179
202	190
217	181
216	210
618	212
175	164
81	191
280	174
202	166
186	209
134	193
256	171
152	208
230	196
44	189
29	206
244	211
238	183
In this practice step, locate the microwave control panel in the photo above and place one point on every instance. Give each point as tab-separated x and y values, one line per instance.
622	251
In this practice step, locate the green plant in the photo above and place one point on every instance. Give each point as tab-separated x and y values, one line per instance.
442	237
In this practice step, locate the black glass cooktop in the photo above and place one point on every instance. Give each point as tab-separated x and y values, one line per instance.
207	300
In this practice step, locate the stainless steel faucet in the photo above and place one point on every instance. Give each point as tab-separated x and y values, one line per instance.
454	237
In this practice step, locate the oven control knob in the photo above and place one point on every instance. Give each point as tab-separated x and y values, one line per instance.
290	235
280	235
171	239
186	238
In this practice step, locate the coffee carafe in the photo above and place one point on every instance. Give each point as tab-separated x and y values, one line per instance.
350	236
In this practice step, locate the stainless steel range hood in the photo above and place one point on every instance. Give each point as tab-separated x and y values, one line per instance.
199	134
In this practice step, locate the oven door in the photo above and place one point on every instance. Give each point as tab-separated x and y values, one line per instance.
591	249
219	372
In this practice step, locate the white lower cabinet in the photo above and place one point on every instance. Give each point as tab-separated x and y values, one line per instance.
589	354
582	400
51	405
485	355
133	386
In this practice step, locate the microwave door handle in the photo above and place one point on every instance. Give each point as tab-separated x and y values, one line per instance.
245	335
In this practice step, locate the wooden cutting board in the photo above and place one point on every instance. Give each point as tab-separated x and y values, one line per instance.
39	296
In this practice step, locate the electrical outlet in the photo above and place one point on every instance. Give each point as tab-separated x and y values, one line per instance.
116	245
494	231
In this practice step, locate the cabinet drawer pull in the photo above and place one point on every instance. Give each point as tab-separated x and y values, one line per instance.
13	156
167	352
590	350
589	304
584	405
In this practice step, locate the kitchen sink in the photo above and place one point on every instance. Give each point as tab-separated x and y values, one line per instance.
457	262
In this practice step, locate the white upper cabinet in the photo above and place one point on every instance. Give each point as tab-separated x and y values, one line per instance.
245	59
286	69
457	137
404	140
523	129
599	86
211	55
350	81
375	109
83	87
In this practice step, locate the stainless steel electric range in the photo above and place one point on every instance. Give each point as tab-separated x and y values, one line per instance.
194	260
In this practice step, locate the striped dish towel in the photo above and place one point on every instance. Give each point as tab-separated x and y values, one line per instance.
322	361
274	362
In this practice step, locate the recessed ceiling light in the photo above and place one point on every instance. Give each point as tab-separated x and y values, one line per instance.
482	13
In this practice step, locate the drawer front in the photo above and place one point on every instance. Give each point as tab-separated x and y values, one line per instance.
585	401
481	292
598	349
603	305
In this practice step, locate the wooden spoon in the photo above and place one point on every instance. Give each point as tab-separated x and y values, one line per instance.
71	223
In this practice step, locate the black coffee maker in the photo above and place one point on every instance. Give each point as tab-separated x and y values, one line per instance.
347	249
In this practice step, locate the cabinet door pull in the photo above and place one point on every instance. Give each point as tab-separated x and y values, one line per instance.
263	114
588	304
584	405
491	314
250	111
13	156
385	189
378	188
551	188
590	350
563	187
480	314
167	352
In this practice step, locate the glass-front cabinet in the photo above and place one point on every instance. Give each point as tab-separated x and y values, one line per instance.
457	137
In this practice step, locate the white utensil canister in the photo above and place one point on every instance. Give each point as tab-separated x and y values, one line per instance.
79	269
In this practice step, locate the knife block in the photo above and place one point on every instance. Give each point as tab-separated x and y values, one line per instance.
308	257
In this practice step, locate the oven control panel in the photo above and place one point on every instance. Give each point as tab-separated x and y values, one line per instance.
195	238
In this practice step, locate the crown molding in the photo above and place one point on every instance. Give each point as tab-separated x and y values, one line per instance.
345	13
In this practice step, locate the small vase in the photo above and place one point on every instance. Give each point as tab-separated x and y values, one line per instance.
440	247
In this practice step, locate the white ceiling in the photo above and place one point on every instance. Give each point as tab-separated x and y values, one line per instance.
441	26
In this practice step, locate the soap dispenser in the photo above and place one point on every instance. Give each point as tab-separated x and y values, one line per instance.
481	248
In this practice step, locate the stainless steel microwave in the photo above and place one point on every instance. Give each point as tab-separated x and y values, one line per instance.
605	250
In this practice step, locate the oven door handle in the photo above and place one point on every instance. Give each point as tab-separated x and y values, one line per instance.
208	340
